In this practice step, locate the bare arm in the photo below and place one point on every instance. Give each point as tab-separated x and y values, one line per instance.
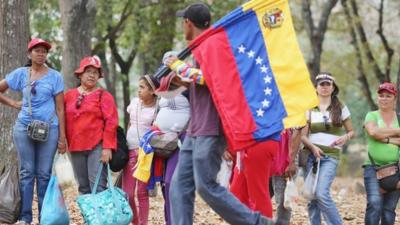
348	126
394	140
314	149
294	145
62	141
379	133
6	100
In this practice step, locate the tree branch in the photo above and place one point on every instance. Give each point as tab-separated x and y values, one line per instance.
117	56
364	42
307	16
323	23
360	67
126	12
388	49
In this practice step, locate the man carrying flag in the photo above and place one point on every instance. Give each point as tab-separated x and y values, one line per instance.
252	73
200	154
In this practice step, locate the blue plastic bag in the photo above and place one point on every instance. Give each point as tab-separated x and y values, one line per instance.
54	210
109	207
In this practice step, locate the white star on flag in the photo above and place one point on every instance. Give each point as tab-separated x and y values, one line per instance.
242	49
258	60
251	54
267	79
264	69
267	91
265	103
260	112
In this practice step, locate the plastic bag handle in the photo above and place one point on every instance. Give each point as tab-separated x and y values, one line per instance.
316	176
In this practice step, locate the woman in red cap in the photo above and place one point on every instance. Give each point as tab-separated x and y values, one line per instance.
42	91
383	140
91	124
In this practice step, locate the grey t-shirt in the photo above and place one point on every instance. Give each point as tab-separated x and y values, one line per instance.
204	119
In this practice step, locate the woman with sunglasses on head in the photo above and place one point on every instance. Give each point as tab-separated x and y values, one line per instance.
329	128
383	140
91	124
42	91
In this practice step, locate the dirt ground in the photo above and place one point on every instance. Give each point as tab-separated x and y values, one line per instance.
347	193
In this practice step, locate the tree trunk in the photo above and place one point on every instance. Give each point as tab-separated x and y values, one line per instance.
362	77
315	33
14	37
76	21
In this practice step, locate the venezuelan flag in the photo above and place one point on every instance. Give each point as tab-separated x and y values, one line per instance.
255	71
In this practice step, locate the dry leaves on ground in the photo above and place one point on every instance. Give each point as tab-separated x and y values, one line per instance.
347	193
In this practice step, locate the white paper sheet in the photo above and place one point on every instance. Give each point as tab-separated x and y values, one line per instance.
324	139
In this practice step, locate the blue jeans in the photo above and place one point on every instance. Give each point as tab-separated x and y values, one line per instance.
324	204
198	165
380	207
35	162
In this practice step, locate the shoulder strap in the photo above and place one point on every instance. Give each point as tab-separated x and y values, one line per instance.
371	159
28	85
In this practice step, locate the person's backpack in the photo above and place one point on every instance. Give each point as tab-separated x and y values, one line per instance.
120	156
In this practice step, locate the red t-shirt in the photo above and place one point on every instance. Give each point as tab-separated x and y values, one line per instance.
95	121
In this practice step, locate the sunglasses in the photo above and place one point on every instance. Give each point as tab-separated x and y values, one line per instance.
326	119
79	101
33	87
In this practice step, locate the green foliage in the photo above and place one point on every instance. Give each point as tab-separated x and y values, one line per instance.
45	22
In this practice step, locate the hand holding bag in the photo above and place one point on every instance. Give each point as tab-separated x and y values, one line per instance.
311	181
109	207
54	210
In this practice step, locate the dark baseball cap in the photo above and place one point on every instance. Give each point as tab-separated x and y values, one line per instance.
197	13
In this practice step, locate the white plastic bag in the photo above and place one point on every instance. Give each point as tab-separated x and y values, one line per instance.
225	173
291	195
310	184
64	171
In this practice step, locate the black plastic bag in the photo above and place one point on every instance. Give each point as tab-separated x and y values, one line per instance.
120	156
10	197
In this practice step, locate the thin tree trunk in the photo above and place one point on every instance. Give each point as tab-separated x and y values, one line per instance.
14	38
76	21
365	44
362	77
315	33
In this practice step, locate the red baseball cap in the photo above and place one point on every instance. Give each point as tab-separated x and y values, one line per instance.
38	41
389	87
89	61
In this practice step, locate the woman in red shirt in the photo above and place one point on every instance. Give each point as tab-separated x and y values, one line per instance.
91	124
